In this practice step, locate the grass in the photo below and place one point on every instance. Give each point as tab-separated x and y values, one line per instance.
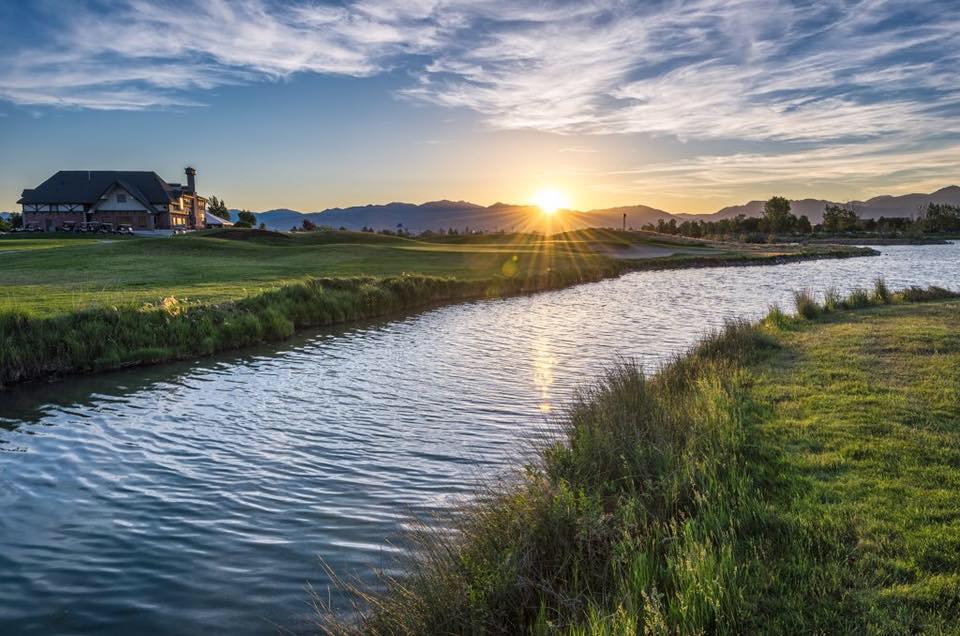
801	475
73	305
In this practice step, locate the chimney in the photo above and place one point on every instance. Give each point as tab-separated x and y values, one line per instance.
192	189
191	180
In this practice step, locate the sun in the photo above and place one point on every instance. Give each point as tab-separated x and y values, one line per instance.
550	200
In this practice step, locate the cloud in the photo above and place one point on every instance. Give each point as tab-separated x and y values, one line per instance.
890	166
758	70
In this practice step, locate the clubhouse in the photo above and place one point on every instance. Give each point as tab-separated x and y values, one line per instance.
141	200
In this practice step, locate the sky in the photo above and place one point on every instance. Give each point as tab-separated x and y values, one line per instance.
687	106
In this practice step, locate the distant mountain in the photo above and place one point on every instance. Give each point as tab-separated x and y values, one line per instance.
444	214
885	205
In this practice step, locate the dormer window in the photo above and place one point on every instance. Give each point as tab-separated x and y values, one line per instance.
121	198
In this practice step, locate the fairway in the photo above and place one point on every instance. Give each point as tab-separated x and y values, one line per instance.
46	276
49	276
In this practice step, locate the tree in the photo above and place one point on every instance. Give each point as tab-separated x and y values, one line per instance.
837	218
217	207
309	226
776	212
246	218
941	217
16	220
803	225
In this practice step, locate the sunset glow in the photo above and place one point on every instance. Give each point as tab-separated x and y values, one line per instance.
550	200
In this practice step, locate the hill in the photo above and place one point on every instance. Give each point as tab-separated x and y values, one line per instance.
445	214
442	215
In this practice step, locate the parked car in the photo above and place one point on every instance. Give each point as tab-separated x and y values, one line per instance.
124	229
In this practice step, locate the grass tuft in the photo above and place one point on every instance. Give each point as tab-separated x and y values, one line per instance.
806	305
881	293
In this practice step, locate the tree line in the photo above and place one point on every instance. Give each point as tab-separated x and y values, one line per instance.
778	220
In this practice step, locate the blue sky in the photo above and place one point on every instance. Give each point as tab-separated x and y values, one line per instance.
687	106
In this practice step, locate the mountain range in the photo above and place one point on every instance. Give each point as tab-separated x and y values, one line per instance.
444	214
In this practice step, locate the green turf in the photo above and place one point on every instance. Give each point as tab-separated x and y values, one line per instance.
865	418
50	276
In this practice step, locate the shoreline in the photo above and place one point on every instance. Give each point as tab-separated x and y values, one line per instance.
725	493
109	339
880	241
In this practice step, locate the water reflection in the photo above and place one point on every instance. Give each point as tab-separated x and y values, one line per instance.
201	496
544	361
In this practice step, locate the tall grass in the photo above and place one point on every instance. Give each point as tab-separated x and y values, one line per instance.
626	523
648	513
808	308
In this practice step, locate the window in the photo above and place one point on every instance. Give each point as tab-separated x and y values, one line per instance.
121	198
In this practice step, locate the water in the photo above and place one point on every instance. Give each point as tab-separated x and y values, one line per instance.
202	496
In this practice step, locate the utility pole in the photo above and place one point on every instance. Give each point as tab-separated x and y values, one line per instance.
624	221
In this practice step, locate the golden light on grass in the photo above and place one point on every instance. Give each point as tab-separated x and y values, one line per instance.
550	200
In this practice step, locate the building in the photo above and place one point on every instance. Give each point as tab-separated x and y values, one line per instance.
140	199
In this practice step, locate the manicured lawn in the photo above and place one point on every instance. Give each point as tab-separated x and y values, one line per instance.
864	426
49	276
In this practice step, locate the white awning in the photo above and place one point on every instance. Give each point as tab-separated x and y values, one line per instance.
211	220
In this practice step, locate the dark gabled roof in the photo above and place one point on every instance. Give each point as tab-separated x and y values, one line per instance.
87	186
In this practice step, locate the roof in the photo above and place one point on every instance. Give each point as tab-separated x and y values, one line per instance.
87	186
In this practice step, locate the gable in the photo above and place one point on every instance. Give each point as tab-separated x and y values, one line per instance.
118	197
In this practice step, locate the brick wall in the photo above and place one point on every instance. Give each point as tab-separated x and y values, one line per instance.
52	220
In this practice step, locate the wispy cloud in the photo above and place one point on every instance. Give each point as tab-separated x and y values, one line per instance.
865	169
817	76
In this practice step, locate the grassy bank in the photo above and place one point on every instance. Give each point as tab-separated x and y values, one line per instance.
797	476
74	306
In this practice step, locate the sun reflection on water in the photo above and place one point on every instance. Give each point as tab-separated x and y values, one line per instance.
544	361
